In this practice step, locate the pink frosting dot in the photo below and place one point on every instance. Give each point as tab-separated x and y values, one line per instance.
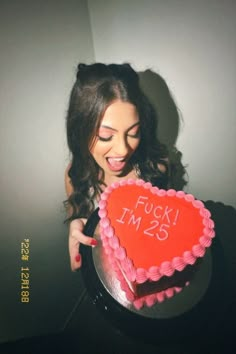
109	231
160	296
178	263
138	304
123	182
209	223
205	241
102	204
189	258
141	275
166	269
171	192
208	232
212	234
169	292
205	213
147	185
154	273
180	194
189	198
104	222
130	181
131	274
178	289
140	182
114	242
109	189
120	253
150	300
115	185
102	213
154	190
104	196
198	250
198	204
161	193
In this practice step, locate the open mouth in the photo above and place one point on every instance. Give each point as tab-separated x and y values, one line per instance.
116	163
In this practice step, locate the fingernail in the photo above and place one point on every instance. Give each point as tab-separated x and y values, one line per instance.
93	242
77	258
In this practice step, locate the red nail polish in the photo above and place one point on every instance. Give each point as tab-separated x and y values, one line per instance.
93	242
77	258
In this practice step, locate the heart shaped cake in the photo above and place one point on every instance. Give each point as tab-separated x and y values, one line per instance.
154	238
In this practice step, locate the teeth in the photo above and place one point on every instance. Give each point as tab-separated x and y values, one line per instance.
116	158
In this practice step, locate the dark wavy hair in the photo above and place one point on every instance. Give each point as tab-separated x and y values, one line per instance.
96	87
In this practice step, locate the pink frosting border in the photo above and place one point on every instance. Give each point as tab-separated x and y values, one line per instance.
154	273
147	300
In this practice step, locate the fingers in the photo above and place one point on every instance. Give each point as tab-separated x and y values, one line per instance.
85	240
75	257
76	237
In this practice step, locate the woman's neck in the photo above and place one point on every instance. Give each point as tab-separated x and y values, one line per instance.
110	179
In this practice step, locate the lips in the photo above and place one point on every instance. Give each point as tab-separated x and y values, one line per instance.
116	163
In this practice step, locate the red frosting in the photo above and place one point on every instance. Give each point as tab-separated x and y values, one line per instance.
152	232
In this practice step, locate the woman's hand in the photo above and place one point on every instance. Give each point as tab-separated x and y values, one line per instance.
76	236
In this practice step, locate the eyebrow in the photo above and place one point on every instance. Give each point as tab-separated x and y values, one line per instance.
115	130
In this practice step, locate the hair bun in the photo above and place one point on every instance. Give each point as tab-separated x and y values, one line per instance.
131	72
80	68
127	66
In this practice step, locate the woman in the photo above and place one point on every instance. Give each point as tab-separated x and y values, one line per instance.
111	134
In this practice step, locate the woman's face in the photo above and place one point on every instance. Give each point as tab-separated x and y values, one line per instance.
117	138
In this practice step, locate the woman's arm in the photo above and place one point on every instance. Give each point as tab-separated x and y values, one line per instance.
76	235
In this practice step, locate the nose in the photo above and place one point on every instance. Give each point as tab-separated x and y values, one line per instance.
121	147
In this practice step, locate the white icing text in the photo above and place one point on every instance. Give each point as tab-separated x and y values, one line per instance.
162	218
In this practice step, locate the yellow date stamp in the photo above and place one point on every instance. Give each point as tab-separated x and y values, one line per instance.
25	272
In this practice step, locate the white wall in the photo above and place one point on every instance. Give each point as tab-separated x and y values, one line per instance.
41	43
192	45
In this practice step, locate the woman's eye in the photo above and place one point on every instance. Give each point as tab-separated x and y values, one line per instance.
103	138
134	135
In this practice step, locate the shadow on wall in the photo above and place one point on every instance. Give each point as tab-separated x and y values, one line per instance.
156	89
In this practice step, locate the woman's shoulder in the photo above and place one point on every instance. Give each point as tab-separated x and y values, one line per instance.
163	165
